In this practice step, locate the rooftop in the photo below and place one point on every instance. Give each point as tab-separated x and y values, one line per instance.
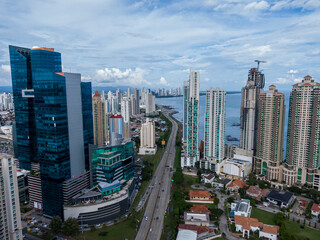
315	207
238	183
199	208
198	229
280	196
199	194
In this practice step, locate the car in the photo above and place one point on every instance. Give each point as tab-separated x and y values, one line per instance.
98	225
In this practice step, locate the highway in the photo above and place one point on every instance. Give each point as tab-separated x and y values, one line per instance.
152	223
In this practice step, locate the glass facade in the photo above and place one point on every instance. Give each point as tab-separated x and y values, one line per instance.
112	163
40	99
86	95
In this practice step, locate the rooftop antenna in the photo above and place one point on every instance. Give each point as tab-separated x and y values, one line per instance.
258	61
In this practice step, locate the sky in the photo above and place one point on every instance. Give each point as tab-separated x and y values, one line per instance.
154	43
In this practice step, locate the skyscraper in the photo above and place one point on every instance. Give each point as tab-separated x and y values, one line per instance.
10	219
190	153
269	149
51	115
248	111
136	102
126	109
303	139
99	119
214	128
150	103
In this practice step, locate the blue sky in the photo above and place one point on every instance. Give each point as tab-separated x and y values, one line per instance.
154	43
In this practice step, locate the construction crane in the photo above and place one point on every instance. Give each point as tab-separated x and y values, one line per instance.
258	61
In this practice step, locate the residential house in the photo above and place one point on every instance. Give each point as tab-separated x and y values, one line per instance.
208	178
257	193
199	208
280	199
245	225
241	208
236	185
200	196
315	209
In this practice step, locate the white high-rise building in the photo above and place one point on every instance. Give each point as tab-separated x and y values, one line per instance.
126	109
191	92
147	139
214	129
10	219
150	103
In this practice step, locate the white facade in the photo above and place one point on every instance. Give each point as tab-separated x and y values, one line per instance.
126	109
147	138
10	219
150	101
235	167
241	208
214	126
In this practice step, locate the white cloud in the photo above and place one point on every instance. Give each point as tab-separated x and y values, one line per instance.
293	71
116	77
262	5
5	68
164	82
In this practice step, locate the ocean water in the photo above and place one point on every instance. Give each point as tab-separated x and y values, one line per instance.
233	103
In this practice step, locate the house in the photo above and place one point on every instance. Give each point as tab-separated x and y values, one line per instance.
236	185
199	208
280	199
245	225
199	219
303	204
315	209
221	182
241	208
208	178
200	230
257	193
200	196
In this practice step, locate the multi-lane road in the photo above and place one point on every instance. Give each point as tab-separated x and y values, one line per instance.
152	223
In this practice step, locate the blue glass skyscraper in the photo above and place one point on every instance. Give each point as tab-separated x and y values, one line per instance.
53	123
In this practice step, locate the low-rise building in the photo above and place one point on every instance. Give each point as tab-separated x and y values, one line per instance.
236	185
257	193
280	199
200	208
315	209
199	219
241	208
245	225
208	178
185	234
236	167
199	195
202	231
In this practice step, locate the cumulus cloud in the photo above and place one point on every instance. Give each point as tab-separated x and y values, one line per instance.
5	68
116	77
164	82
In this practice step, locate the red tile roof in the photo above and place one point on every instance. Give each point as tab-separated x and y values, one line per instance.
199	229
199	208
303	203
315	207
199	194
270	229
96	94
238	183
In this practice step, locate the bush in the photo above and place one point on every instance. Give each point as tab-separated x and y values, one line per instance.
103	233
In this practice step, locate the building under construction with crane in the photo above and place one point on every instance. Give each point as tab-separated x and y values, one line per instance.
249	106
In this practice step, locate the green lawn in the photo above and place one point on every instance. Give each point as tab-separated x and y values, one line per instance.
300	234
262	216
119	231
188	181
292	227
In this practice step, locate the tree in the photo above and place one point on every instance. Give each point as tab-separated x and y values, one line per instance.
55	224
279	218
252	180
216	201
208	185
215	213
230	199
71	226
